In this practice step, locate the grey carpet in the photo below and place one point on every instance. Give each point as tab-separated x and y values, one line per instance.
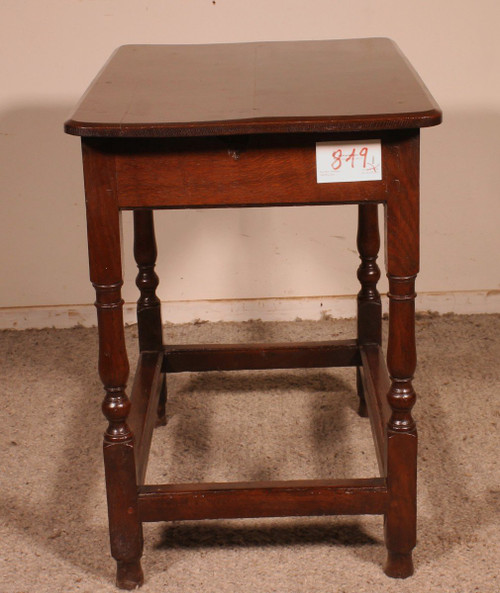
249	426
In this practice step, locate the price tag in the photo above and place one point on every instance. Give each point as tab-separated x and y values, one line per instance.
338	162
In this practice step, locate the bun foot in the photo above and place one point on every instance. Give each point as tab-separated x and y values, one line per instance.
398	566
129	575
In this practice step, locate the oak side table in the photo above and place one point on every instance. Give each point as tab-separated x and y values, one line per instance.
242	125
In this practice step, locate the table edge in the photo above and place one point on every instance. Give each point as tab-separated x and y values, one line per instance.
358	123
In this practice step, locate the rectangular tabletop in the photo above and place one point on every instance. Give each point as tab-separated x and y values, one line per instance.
250	88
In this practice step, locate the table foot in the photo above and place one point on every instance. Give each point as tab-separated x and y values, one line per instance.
398	566
129	575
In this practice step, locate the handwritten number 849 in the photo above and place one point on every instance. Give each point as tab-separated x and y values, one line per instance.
338	155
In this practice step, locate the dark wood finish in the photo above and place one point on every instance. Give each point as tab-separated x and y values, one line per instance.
369	318
146	393
148	305
262	499
103	227
376	385
232	126
250	88
233	357
402	232
199	173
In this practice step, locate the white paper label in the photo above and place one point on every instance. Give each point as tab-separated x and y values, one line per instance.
348	161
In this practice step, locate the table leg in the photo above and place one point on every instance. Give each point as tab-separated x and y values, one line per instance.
103	225
148	305
402	228
369	305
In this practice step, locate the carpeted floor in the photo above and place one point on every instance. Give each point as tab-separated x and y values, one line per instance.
250	426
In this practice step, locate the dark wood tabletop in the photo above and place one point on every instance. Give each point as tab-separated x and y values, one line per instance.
248	88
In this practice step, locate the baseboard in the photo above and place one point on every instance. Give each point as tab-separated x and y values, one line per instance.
268	309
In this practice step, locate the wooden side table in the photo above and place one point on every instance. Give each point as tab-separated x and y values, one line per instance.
240	125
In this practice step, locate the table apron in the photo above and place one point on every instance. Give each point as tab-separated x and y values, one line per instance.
227	177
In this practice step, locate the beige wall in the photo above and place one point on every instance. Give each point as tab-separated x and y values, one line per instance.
50	51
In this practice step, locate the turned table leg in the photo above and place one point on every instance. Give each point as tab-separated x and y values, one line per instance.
402	226
369	305
148	305
103	226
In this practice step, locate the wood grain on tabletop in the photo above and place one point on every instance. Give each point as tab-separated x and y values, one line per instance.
177	90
